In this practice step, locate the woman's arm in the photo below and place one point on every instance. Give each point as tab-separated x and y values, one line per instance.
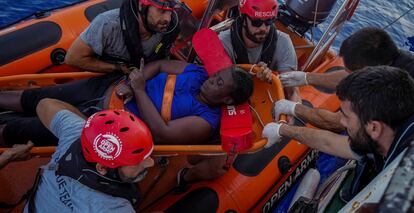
168	66
187	130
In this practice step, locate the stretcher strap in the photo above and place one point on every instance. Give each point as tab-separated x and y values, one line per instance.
168	97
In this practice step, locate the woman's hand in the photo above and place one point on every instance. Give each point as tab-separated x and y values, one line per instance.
137	80
125	93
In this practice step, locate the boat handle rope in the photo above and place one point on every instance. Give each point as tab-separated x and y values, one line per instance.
257	115
230	157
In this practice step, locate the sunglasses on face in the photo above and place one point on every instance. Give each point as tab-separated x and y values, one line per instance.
165	5
260	22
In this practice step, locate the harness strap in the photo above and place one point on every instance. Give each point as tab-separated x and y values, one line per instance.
130	27
168	97
33	191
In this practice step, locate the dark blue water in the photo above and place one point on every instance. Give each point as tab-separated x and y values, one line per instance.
376	13
13	10
379	13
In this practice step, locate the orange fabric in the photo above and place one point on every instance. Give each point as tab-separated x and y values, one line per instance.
168	97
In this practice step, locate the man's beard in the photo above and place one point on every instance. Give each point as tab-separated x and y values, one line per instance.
156	28
363	143
139	177
253	36
115	175
135	179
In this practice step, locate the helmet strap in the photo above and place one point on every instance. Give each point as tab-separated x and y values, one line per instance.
113	174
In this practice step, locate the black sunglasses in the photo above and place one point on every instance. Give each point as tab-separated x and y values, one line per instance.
260	22
165	5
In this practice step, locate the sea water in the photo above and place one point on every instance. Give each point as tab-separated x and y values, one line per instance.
379	13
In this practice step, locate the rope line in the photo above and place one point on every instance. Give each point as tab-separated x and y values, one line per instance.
393	22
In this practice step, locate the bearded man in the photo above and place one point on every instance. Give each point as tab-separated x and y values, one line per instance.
378	115
254	39
118	38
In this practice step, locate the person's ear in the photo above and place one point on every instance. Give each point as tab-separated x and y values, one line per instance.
228	100
375	129
148	162
101	169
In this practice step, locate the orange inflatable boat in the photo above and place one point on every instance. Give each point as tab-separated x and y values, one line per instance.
256	180
40	45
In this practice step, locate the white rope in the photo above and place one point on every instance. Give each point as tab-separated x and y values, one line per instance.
270	96
316	13
314	20
393	22
257	115
251	69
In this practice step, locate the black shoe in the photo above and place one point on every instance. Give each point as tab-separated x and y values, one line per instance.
182	185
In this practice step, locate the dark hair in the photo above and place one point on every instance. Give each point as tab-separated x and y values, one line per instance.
368	47
243	85
381	93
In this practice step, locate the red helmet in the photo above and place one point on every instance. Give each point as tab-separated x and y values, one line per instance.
160	4
115	138
259	9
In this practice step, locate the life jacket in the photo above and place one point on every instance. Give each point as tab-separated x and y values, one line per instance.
372	164
405	61
365	170
73	165
403	137
268	50
130	29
